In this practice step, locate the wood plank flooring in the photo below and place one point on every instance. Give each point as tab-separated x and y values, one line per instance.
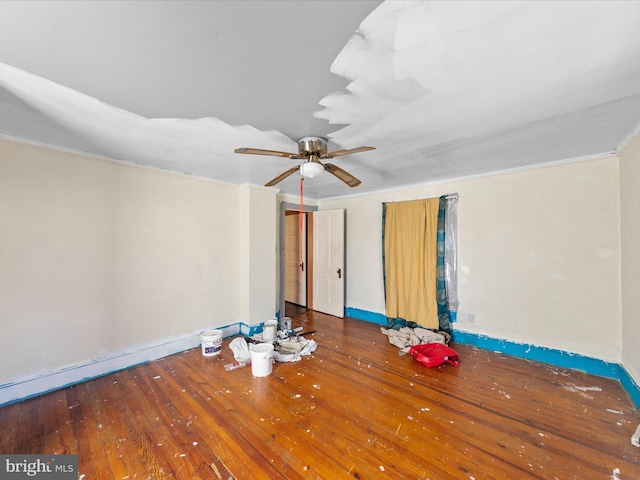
293	309
353	409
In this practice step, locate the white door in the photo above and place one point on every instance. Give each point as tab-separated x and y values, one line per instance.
295	290
328	262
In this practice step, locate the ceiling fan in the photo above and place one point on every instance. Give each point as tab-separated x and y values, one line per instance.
311	150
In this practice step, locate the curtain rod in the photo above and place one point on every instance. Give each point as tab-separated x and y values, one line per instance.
449	196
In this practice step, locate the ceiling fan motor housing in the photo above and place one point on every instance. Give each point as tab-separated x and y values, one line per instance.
312	146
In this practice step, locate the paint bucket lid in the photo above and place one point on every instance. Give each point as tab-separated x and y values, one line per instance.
212	334
262	348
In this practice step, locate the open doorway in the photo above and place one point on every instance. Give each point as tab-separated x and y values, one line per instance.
321	269
296	259
296	297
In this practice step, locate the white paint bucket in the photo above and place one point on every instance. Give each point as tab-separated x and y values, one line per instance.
211	342
269	329
262	359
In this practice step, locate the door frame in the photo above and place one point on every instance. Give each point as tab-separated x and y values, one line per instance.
284	206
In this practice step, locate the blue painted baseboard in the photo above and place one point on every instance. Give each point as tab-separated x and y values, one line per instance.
37	385
372	317
629	384
550	356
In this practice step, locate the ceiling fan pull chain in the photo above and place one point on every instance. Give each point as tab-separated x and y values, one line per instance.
300	217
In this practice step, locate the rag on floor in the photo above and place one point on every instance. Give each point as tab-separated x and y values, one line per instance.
405	337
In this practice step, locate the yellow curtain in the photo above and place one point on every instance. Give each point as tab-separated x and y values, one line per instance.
411	261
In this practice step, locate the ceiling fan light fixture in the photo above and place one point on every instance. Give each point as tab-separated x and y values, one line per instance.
311	150
311	169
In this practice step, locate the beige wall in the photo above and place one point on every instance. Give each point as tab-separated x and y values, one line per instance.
257	266
538	250
98	256
630	240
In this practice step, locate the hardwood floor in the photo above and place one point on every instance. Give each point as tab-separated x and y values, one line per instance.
292	309
353	409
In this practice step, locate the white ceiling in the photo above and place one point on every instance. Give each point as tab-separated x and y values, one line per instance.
443	90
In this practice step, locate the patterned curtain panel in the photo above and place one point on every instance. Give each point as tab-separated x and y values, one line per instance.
444	318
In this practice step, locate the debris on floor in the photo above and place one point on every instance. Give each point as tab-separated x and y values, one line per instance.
406	337
426	346
240	350
289	346
293	350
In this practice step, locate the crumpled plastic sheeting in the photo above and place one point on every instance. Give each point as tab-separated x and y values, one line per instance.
450	252
405	337
240	350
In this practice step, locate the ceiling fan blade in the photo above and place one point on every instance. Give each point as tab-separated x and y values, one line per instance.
273	153
347	151
343	175
282	176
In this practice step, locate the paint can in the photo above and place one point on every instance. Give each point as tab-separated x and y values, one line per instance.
211	342
269	329
262	359
286	324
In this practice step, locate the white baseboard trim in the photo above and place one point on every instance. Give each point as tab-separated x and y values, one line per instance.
34	385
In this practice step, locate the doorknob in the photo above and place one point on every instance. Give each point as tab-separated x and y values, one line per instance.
339	273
